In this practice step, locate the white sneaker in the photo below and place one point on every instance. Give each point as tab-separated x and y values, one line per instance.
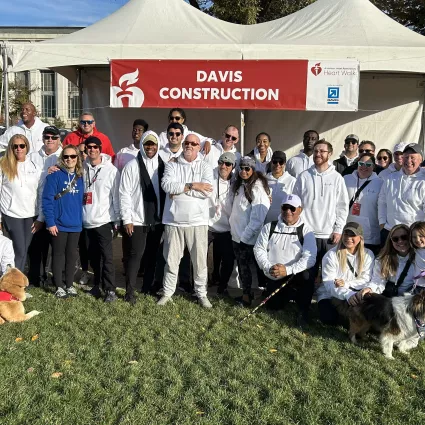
164	300
71	292
85	277
205	302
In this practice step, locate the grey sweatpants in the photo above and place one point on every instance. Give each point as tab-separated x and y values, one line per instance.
196	240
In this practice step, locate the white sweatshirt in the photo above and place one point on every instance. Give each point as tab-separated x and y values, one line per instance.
262	166
125	155
220	204
7	255
163	139
368	201
247	219
324	200
166	154
215	153
102	181
280	187
33	134
18	198
387	172
43	160
186	209
299	163
379	282
285	248
331	270
402	199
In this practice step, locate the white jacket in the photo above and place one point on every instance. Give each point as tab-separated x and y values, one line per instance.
299	163
324	200
285	248
388	171
45	161
220	204
379	282
191	208
331	270
102	181
166	154
125	155
163	139
19	197
368	200
262	166
280	187
402	199
247	219
215	153
33	134
7	255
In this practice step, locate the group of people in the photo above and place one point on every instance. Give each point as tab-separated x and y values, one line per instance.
171	195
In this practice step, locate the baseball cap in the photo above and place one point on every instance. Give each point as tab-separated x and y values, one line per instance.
150	136
279	155
352	137
292	200
247	161
354	227
94	140
228	157
51	129
399	147
415	147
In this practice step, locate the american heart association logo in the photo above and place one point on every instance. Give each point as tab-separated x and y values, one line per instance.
127	95
316	69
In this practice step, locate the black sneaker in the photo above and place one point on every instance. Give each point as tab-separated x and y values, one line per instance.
111	296
130	298
95	292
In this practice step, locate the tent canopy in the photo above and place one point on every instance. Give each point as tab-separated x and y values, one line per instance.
172	29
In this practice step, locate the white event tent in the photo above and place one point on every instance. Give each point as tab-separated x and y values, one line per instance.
392	63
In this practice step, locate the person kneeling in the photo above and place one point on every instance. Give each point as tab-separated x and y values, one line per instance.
286	252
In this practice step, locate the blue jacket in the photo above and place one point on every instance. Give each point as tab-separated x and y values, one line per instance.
66	213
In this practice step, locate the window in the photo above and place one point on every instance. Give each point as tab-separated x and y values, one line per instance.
48	94
22	80
73	101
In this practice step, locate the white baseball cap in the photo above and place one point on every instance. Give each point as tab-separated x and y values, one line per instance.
293	200
399	147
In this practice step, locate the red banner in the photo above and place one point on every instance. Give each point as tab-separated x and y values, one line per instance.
220	84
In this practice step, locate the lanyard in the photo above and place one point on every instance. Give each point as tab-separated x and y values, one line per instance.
90	183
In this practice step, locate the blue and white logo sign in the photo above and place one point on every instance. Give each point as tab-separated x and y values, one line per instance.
333	95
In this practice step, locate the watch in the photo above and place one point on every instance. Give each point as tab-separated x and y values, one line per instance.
189	186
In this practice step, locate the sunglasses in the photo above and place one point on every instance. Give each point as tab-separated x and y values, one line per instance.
228	136
247	169
227	164
382	158
21	145
84	122
92	147
70	156
351	142
288	207
175	118
365	164
50	137
191	144
401	238
280	162
171	134
365	150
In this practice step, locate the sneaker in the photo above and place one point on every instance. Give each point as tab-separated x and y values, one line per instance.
164	300
71	292
204	302
85	277
28	295
95	292
61	293
111	297
130	298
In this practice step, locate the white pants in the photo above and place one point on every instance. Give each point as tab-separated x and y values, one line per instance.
196	240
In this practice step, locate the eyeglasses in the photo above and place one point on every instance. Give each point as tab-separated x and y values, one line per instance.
177	134
175	118
84	122
280	162
227	164
351	142
365	150
92	147
50	137
70	156
320	151
401	238
382	158
191	144
247	169
365	164
288	207
228	136
21	145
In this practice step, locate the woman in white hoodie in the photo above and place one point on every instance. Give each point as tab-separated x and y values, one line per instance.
250	205
18	196
262	153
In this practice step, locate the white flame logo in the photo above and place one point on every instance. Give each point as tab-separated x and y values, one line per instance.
134	95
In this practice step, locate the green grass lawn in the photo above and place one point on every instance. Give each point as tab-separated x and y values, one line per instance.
180	364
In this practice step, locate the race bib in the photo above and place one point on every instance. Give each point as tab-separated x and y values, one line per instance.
356	209
88	198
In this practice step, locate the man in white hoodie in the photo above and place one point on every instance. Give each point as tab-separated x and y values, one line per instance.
304	160
188	184
49	153
324	198
101	215
30	126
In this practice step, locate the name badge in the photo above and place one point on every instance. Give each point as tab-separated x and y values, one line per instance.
356	209
88	198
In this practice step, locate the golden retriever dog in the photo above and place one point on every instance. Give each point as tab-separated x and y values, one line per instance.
12	293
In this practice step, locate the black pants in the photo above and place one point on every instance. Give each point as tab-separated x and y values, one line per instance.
245	257
374	248
101	256
64	255
19	230
300	289
38	254
83	251
384	236
328	313
223	257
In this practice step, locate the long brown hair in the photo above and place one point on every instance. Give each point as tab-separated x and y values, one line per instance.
78	165
9	164
388	255
249	184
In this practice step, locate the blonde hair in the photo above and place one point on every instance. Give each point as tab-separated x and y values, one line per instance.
341	253
78	165
9	164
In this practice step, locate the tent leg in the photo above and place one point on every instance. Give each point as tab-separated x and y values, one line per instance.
5	87
242	133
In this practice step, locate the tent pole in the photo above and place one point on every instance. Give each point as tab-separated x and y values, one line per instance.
242	133
80	89
5	86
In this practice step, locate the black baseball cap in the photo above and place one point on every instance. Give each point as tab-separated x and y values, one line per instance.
51	129
94	140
